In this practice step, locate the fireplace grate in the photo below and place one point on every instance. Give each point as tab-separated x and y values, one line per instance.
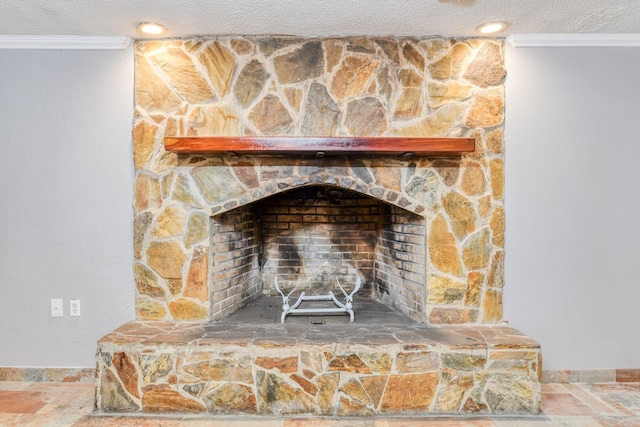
346	307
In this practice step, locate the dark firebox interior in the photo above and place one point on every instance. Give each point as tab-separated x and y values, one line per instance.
312	237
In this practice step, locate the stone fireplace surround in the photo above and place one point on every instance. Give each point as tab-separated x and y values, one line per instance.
435	255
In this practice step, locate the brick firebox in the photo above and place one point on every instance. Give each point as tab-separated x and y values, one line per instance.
313	236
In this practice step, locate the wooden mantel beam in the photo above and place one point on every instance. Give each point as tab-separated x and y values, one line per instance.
319	146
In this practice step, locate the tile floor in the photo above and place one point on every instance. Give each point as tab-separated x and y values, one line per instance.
25	404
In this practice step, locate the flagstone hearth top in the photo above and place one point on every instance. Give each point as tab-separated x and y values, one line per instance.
319	146
202	334
265	330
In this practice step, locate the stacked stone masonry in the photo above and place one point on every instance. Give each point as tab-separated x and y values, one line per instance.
241	85
219	368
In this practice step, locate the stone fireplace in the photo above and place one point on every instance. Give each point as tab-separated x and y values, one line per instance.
424	234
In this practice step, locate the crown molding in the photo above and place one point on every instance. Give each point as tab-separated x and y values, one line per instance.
64	42
574	40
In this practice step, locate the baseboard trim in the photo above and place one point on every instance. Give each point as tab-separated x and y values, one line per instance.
590	376
57	375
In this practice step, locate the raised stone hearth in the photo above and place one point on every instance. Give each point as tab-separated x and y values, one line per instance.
384	363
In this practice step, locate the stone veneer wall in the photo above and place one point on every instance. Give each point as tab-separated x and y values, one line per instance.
239	85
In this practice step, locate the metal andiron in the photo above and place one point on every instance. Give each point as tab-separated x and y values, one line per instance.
347	307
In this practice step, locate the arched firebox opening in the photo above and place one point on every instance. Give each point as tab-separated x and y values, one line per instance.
312	237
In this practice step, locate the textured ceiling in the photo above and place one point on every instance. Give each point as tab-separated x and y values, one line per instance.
316	17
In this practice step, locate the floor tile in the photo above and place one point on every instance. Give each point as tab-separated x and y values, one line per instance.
107	421
563	404
21	402
590	400
442	422
619	421
625	397
552	388
233	422
542	421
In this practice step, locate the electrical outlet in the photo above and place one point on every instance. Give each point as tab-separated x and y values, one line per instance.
74	307
56	307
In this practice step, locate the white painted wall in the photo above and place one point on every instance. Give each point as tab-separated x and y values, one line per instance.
572	200
573	204
66	179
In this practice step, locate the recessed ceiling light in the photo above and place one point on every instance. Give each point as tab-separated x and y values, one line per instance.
151	29
491	28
